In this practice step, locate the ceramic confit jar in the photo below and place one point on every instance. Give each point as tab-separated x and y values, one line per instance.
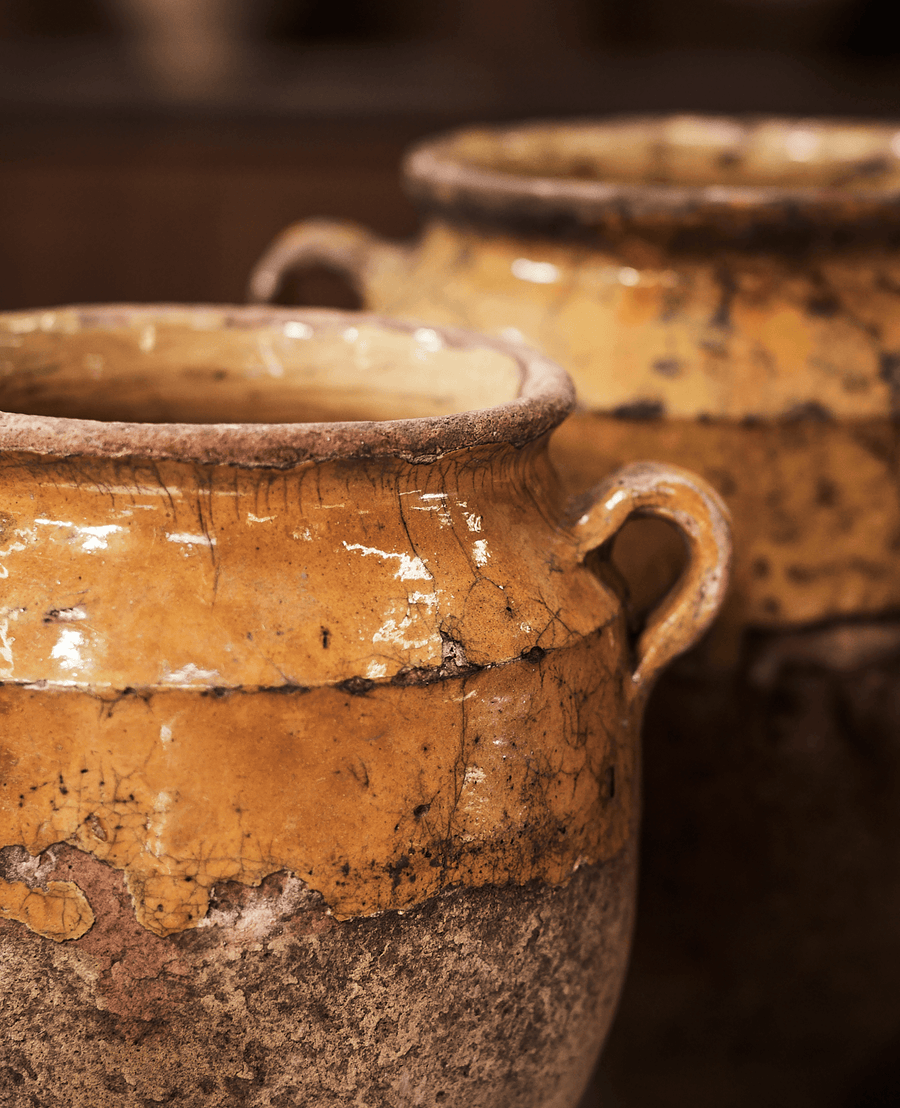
319	714
726	296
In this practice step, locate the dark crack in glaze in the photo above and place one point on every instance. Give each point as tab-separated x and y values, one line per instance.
746	275
318	763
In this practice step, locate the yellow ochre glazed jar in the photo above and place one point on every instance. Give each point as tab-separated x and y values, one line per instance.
319	750
726	296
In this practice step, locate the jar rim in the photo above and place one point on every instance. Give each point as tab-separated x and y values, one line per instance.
545	397
442	174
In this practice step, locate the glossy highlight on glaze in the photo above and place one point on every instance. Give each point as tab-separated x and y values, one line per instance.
726	296
312	647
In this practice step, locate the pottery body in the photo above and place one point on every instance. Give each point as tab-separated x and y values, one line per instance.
723	295
320	737
726	297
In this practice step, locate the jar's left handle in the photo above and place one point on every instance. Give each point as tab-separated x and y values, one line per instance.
336	244
697	510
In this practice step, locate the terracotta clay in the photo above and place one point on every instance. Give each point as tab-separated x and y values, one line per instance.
311	728
726	296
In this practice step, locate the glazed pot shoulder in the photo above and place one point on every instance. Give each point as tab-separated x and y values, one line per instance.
178	575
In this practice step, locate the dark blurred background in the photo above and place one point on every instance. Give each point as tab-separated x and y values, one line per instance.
151	148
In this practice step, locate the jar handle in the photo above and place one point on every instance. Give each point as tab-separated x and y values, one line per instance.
683	498
340	245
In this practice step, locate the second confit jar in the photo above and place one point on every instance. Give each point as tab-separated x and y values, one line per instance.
726	296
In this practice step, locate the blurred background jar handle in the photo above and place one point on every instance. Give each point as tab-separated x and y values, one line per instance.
646	489
342	246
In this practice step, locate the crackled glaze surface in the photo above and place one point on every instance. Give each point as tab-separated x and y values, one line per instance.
682	269
726	295
373	676
377	797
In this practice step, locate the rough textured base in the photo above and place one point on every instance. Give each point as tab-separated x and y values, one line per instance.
766	966
475	998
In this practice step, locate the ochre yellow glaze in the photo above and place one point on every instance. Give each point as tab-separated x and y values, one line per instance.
726	296
389	675
173	575
728	336
377	800
60	911
202	366
814	524
693	276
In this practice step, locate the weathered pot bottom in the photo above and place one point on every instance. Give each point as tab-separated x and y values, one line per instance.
766	965
498	995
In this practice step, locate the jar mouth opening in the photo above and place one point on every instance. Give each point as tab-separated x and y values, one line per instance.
660	164
260	386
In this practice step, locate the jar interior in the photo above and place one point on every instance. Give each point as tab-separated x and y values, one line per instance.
692	151
205	367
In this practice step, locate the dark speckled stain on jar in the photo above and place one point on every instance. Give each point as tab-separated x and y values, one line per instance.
275	1003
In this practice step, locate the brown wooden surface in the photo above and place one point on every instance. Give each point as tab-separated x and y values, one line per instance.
119	212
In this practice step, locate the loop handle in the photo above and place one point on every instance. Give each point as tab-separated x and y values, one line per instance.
339	245
683	498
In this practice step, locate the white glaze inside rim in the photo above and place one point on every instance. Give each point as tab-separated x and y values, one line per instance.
288	378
